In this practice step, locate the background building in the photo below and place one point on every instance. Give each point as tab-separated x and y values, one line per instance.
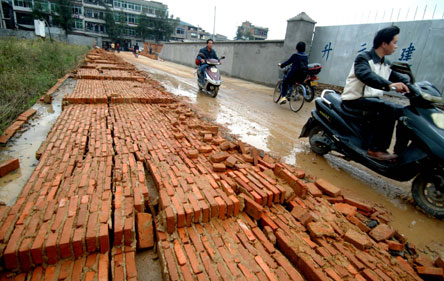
186	32
247	31
88	17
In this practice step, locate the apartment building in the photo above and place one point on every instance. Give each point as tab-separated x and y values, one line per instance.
255	32
89	16
186	32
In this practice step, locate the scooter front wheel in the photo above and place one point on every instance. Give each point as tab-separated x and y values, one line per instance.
428	193
214	92
319	140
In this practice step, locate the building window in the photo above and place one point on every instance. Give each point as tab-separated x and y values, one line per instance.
117	4
76	10
180	31
137	7
94	27
77	24
23	3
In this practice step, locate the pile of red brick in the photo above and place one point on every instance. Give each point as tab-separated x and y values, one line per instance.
102	91
224	210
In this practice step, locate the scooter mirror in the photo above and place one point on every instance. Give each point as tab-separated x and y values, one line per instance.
222	57
404	68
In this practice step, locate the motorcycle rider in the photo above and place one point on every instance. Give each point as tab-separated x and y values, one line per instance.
206	53
297	73
369	76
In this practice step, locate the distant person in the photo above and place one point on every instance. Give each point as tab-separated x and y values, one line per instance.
113	46
118	47
136	50
151	50
368	78
204	54
297	73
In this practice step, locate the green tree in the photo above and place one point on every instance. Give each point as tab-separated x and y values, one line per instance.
144	29
112	28
39	10
243	34
163	26
63	16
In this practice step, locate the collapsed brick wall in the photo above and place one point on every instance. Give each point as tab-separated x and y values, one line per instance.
220	211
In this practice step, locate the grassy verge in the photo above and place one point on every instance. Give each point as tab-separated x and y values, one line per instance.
28	68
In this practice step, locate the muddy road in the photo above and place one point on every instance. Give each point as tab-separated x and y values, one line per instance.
247	111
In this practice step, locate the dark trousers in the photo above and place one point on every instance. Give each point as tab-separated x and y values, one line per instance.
289	80
202	68
382	116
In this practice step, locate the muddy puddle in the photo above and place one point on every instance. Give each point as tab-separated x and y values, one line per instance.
27	141
248	112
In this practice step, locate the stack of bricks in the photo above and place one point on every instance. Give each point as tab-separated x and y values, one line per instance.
323	244
20	121
232	249
89	91
107	74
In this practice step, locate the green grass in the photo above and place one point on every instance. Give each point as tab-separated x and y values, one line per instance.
29	68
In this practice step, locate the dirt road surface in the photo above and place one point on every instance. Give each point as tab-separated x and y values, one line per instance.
246	109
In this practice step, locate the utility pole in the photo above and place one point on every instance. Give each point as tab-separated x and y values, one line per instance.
214	24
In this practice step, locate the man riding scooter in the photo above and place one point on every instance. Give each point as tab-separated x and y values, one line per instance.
204	54
368	78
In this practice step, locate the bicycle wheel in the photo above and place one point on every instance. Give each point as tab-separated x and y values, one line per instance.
296	99
277	91
309	92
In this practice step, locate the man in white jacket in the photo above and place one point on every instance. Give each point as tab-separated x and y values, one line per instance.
368	78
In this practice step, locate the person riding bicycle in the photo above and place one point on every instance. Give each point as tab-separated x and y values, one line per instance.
206	53
297	73
136	49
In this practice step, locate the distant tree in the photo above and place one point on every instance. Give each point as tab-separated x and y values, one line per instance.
144	29
243	34
39	12
63	15
163	26
112	29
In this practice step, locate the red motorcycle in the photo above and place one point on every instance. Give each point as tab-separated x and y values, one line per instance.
311	80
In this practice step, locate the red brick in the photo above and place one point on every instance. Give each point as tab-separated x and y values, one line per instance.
65	239
302	215
145	230
359	240
394	245
25	255
429	272
320	229
314	190
9	166
251	207
91	233
130	262
345	209
310	271
51	248
219	167
104	268
78	242
218	157
170	220
328	188
382	232
439	262
369	275
361	206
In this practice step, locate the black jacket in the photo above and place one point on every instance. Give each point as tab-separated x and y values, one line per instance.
206	54
299	64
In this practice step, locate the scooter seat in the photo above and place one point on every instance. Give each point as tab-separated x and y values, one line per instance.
346	111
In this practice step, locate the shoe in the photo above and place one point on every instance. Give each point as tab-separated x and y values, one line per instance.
381	155
283	100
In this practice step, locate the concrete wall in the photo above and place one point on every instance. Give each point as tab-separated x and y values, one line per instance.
250	60
56	34
342	44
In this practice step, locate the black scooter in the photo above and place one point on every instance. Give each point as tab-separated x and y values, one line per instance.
333	126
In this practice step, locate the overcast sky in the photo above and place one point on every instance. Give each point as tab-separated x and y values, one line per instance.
274	14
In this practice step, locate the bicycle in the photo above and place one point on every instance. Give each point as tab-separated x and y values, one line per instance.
297	96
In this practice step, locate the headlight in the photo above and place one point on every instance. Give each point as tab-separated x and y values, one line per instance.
438	120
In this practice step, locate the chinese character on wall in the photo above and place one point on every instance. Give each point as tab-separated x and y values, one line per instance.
363	47
407	53
326	51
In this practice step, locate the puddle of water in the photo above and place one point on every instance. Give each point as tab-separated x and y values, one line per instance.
27	141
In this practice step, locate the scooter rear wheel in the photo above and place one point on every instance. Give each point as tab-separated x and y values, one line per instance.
428	193
309	92
317	141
